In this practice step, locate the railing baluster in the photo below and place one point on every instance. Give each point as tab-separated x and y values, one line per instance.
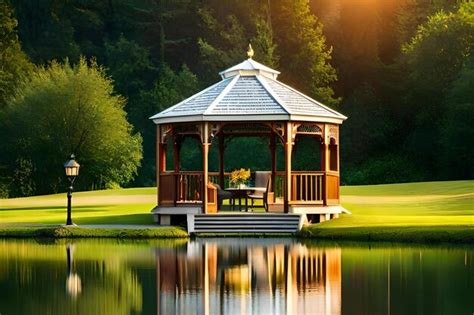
320	184
299	178
308	192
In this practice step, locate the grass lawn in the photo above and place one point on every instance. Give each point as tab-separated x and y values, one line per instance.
418	211
120	206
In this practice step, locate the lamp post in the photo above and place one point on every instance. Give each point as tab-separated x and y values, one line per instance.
71	168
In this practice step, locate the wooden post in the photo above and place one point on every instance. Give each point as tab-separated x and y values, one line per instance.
288	149
205	168
157	163
176	152
325	163
273	154
160	159
221	160
176	166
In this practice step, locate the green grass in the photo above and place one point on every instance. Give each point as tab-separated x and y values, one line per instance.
121	206
429	211
41	216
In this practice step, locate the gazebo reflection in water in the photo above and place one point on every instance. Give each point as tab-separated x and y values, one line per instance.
262	278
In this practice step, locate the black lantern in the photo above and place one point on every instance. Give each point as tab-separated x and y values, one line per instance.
71	168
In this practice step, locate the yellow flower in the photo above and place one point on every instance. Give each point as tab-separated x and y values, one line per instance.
239	176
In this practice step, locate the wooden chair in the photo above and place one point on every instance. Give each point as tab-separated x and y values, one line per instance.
224	195
271	203
268	195
261	180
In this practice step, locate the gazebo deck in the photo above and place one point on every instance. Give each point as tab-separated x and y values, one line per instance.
226	221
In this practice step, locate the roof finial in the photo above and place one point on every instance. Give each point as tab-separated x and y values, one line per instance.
250	51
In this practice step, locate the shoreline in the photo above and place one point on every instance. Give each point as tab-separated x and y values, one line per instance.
411	234
431	234
60	231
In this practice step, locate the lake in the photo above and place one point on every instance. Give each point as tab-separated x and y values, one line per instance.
233	276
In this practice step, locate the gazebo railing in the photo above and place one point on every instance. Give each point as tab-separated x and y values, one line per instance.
307	187
189	186
181	187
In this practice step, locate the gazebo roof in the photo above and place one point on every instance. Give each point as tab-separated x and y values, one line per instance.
249	91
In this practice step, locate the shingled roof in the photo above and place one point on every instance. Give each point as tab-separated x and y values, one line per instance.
249	91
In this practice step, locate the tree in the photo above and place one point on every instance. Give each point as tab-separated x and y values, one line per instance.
46	29
158	20
170	88
302	49
14	64
130	66
225	38
433	60
457	155
63	109
413	13
281	30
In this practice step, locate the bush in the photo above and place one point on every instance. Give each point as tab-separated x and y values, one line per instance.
383	170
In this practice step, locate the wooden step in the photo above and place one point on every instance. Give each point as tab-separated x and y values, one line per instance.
245	223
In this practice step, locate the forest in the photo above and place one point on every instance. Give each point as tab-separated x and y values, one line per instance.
84	76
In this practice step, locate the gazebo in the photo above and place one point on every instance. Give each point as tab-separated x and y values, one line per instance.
248	101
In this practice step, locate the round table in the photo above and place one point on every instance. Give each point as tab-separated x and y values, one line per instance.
243	192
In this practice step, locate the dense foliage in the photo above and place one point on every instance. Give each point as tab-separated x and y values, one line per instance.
402	70
63	109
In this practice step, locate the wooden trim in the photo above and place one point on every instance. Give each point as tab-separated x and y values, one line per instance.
212	195
221	160
205	168
302	202
176	154
288	150
307	172
161	166
157	163
274	160
325	162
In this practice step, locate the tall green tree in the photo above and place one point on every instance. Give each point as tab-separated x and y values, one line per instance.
457	154
433	60
158	20
14	63
46	30
301	45
130	66
283	31
226	35
63	109
170	88
413	13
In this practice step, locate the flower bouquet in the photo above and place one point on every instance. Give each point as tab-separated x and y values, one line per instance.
239	178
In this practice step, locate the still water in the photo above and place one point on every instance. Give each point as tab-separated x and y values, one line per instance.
233	276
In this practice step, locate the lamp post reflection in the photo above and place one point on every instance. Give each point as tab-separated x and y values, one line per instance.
73	281
269	278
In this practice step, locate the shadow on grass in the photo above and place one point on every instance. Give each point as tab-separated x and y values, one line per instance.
142	218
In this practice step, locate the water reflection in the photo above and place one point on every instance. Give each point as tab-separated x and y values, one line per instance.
232	276
73	281
244	277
